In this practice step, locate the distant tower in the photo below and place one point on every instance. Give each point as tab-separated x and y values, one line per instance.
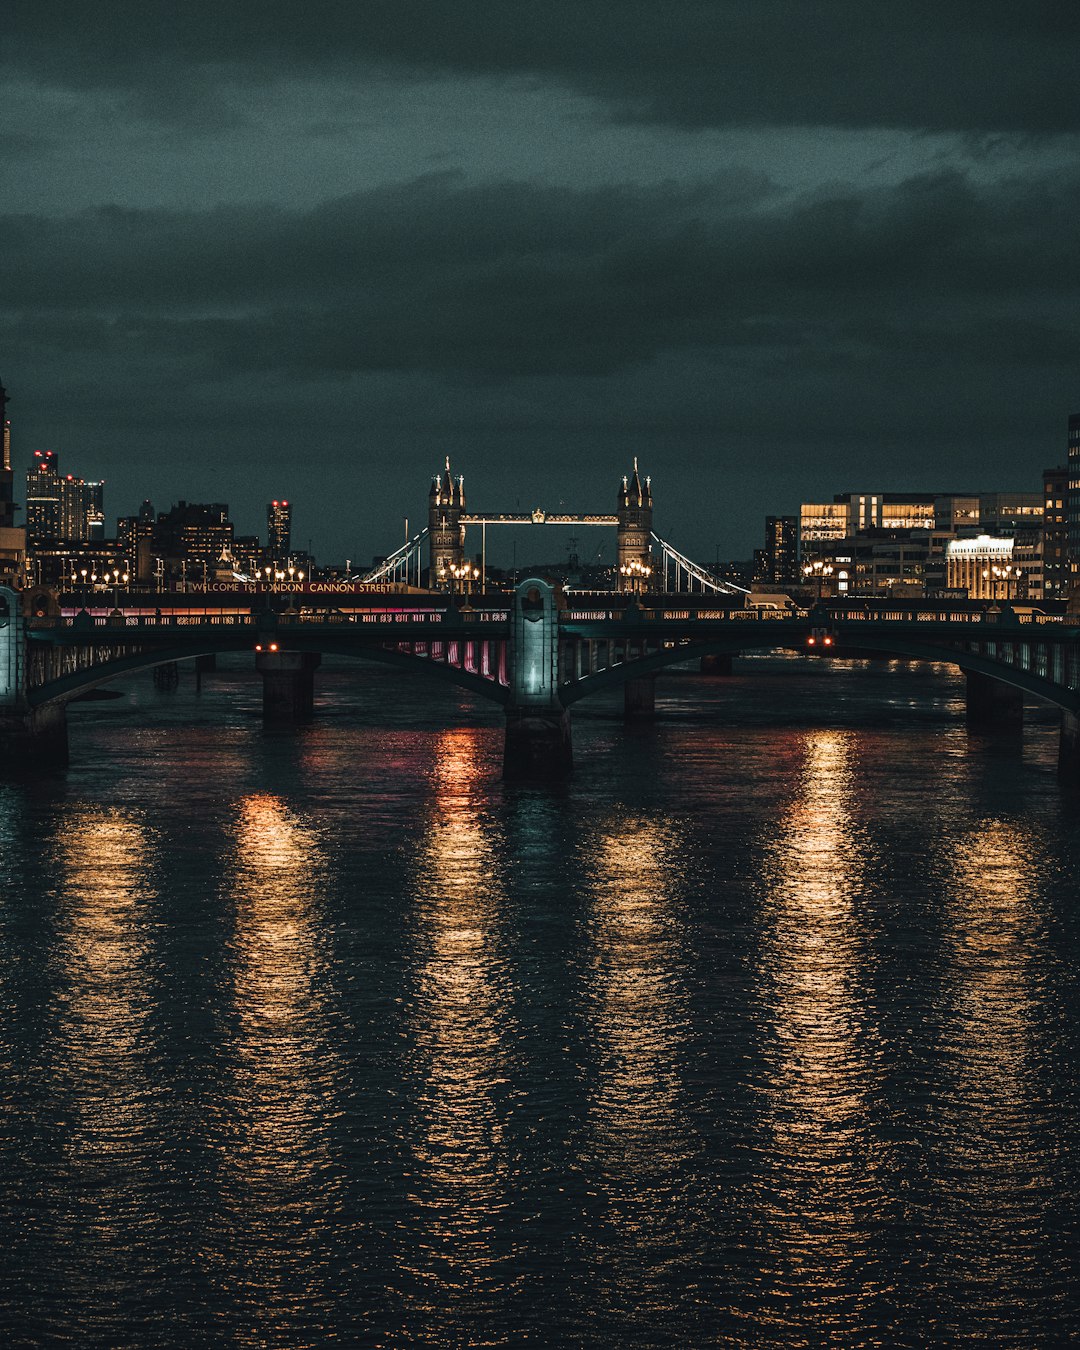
43	497
635	534
446	533
7	508
279	530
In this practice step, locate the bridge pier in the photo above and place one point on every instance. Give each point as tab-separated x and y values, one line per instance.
167	675
288	686
993	705
718	663
639	699
537	745
538	742
1069	748
34	738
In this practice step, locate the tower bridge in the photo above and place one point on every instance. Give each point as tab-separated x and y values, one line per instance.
637	568
536	652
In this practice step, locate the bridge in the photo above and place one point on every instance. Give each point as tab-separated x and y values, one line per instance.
536	651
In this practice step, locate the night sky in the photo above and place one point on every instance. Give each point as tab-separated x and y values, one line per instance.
776	249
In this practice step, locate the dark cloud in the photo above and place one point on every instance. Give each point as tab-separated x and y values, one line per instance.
971	65
510	280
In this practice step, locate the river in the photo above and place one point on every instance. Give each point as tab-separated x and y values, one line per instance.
761	1031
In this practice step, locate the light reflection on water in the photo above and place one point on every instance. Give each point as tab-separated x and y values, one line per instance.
763	1031
459	1274
818	1193
99	1062
275	1130
641	1150
990	1126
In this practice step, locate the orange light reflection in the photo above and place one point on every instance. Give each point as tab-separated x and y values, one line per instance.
819	1189
461	1025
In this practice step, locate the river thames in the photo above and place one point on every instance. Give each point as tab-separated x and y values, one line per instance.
762	1031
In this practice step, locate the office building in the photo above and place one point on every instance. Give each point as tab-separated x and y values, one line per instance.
983	567
780	556
7	480
1073	499
193	535
1002	513
43	497
76	497
12	539
1055	533
278	530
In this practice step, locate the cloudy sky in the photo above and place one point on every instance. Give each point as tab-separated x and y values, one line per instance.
776	249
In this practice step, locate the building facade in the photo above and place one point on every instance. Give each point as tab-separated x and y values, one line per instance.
279	530
43	497
780	556
983	567
1055	533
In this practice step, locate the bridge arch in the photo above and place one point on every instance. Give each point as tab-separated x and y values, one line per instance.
903	649
67	687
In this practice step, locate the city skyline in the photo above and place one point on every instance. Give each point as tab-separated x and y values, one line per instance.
281	509
251	253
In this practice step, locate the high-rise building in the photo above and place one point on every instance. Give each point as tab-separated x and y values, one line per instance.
12	540
7	481
95	511
1055	533
1073	500
75	508
278	530
43	497
781	552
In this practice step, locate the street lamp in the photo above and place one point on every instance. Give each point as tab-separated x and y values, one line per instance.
635	574
465	572
819	571
999	574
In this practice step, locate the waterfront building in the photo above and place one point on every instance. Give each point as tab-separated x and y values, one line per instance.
1073	500
1003	513
1055	533
983	567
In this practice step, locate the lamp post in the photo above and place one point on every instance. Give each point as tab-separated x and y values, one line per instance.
997	574
819	571
466	573
635	574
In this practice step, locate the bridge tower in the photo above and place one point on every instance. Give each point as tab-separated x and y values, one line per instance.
634	534
446	533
